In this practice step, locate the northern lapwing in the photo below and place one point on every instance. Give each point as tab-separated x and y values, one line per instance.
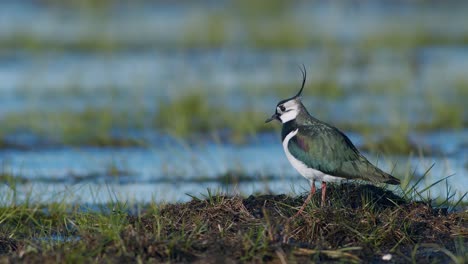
319	151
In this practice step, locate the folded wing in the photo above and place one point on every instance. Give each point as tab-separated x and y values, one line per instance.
326	149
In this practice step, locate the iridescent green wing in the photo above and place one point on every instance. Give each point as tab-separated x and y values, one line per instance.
328	150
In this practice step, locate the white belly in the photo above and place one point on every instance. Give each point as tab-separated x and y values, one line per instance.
309	173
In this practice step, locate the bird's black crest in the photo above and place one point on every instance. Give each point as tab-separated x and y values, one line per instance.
304	77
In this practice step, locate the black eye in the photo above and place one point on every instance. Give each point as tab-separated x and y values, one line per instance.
282	108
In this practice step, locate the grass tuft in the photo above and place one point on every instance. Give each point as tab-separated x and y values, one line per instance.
358	223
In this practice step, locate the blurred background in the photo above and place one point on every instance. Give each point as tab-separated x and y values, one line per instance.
154	100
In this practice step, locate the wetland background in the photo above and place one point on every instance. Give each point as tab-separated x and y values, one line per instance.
152	100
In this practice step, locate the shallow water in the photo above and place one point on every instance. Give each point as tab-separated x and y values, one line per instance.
157	66
170	172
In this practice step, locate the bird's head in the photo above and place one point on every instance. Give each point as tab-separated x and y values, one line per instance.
288	109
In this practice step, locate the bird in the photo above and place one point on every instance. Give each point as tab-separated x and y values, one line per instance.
320	151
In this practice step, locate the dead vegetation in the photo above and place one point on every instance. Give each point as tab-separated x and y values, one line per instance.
361	223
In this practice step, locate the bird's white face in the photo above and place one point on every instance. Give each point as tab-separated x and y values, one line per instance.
287	111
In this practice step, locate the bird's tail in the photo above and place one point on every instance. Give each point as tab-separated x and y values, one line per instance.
377	175
385	177
391	180
374	174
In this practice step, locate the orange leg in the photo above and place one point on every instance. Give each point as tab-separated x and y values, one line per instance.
324	191
307	200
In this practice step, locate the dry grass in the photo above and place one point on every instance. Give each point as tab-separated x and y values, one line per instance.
360	223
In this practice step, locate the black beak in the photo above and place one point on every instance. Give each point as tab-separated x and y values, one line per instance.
273	117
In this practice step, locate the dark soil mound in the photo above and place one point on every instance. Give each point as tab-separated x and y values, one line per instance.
7	245
359	223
